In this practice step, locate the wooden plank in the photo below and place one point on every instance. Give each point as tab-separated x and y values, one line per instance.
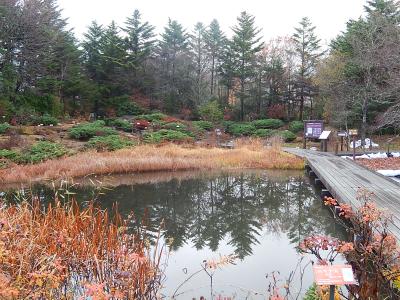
343	177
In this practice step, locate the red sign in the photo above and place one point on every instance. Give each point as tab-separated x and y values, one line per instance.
334	275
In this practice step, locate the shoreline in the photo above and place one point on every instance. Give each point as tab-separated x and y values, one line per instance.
149	159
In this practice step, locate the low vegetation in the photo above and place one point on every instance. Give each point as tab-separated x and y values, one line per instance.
68	252
38	152
169	157
268	123
164	135
120	124
108	143
4	127
203	125
296	126
152	117
88	130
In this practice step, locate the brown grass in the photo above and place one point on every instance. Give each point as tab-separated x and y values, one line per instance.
68	252
169	157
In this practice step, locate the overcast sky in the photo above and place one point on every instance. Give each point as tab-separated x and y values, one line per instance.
275	17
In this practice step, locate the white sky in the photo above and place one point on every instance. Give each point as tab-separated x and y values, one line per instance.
275	17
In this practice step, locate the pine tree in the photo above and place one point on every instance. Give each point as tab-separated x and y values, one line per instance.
200	63
246	44
140	44
226	70
307	49
214	39
174	64
387	8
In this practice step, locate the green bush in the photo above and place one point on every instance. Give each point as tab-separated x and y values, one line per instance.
120	124
286	135
203	125
166	135
268	123
42	151
211	111
296	126
129	108
89	130
39	151
4	127
9	154
45	120
263	133
175	126
152	117
108	143
241	129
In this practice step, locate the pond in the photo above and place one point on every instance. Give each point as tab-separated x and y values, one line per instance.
259	216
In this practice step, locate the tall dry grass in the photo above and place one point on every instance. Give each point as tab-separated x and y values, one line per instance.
249	153
66	252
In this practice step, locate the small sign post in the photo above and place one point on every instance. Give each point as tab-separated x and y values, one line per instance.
332	276
342	135
324	140
312	130
353	133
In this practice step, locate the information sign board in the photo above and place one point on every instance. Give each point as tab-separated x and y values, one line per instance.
313	129
333	275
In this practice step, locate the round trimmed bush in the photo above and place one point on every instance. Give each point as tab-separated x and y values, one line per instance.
268	123
263	133
286	135
108	143
296	126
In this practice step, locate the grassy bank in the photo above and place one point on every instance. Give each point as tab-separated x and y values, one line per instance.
146	158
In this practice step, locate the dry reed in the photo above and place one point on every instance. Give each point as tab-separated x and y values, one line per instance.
145	158
66	252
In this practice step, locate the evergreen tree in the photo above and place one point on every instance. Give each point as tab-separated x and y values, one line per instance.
174	64
200	63
214	39
246	44
308	51
226	70
140	44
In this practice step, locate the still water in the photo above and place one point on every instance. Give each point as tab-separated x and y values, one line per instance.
259	216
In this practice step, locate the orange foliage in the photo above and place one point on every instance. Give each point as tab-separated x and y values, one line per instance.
66	252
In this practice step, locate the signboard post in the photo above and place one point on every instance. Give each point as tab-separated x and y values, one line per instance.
312	130
324	140
342	135
353	133
332	276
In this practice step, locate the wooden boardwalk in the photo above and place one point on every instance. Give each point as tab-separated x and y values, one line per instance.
343	178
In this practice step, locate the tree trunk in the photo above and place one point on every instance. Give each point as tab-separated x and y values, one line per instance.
364	122
212	75
242	100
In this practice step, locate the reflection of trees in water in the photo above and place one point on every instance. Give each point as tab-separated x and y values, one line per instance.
232	207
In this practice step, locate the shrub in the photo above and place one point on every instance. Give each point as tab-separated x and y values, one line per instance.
203	125
241	129
89	130
152	117
108	143
211	111
296	126
45	120
286	135
120	124
42	151
268	123
166	135
4	127
129	108
175	126
9	154
263	133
